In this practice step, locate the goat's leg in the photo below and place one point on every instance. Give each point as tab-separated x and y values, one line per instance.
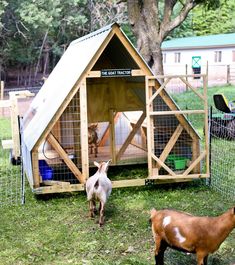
159	250
92	208
101	220
205	260
96	149
201	258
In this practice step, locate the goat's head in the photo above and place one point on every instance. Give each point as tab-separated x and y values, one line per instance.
93	126
102	166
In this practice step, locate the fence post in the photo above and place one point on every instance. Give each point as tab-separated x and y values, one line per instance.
210	146
186	72
2	90
228	74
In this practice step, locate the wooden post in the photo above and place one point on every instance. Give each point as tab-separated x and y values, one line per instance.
107	131
15	127
76	129
35	167
206	125
2	94
84	129
112	136
228	74
2	89
186	72
149	120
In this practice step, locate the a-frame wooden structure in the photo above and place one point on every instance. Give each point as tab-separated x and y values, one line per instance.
98	76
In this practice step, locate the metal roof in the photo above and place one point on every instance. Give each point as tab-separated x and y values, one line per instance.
60	82
209	41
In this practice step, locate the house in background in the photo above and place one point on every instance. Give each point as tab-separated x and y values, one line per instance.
215	53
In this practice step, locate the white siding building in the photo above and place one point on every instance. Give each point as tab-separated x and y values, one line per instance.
216	51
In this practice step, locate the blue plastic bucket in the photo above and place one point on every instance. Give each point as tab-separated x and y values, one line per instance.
45	171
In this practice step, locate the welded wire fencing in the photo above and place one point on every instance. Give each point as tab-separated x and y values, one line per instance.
222	132
11	184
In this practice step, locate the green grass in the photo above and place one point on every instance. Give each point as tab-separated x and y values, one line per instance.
189	100
5	131
56	230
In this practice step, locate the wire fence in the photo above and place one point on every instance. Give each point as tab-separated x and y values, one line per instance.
217	74
222	131
222	159
11	183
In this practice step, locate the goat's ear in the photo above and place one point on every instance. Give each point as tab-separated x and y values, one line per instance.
153	213
106	166
97	164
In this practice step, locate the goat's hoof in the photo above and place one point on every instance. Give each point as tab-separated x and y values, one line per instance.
92	216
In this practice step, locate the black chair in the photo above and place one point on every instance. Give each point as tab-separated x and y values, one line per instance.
222	104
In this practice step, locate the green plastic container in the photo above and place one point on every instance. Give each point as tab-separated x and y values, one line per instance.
180	163
176	162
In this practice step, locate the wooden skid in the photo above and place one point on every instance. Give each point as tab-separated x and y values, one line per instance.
62	187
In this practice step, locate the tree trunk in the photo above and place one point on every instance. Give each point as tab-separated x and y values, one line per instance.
143	17
150	28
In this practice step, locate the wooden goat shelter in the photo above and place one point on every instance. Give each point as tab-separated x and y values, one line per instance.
101	79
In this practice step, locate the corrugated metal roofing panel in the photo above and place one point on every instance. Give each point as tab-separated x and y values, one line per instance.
60	82
200	41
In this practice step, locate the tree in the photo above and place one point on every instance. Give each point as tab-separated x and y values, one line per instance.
217	21
151	26
31	30
106	12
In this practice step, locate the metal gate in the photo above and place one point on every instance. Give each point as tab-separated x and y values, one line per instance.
176	148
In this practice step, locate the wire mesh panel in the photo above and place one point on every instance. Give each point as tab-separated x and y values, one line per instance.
122	142
11	186
222	128
60	153
177	118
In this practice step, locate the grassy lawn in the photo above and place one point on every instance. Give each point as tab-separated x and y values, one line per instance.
56	229
189	100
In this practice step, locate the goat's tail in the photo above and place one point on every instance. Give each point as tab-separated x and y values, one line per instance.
97	184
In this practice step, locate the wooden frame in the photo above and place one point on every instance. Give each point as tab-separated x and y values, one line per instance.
87	78
12	103
197	157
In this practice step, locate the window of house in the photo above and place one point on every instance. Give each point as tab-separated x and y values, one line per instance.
177	57
218	56
233	56
164	57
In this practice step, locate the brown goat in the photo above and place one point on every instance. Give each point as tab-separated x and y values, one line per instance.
188	233
93	138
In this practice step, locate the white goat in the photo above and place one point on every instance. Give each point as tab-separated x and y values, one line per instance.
98	188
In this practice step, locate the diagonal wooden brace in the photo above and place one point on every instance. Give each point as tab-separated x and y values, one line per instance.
59	149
